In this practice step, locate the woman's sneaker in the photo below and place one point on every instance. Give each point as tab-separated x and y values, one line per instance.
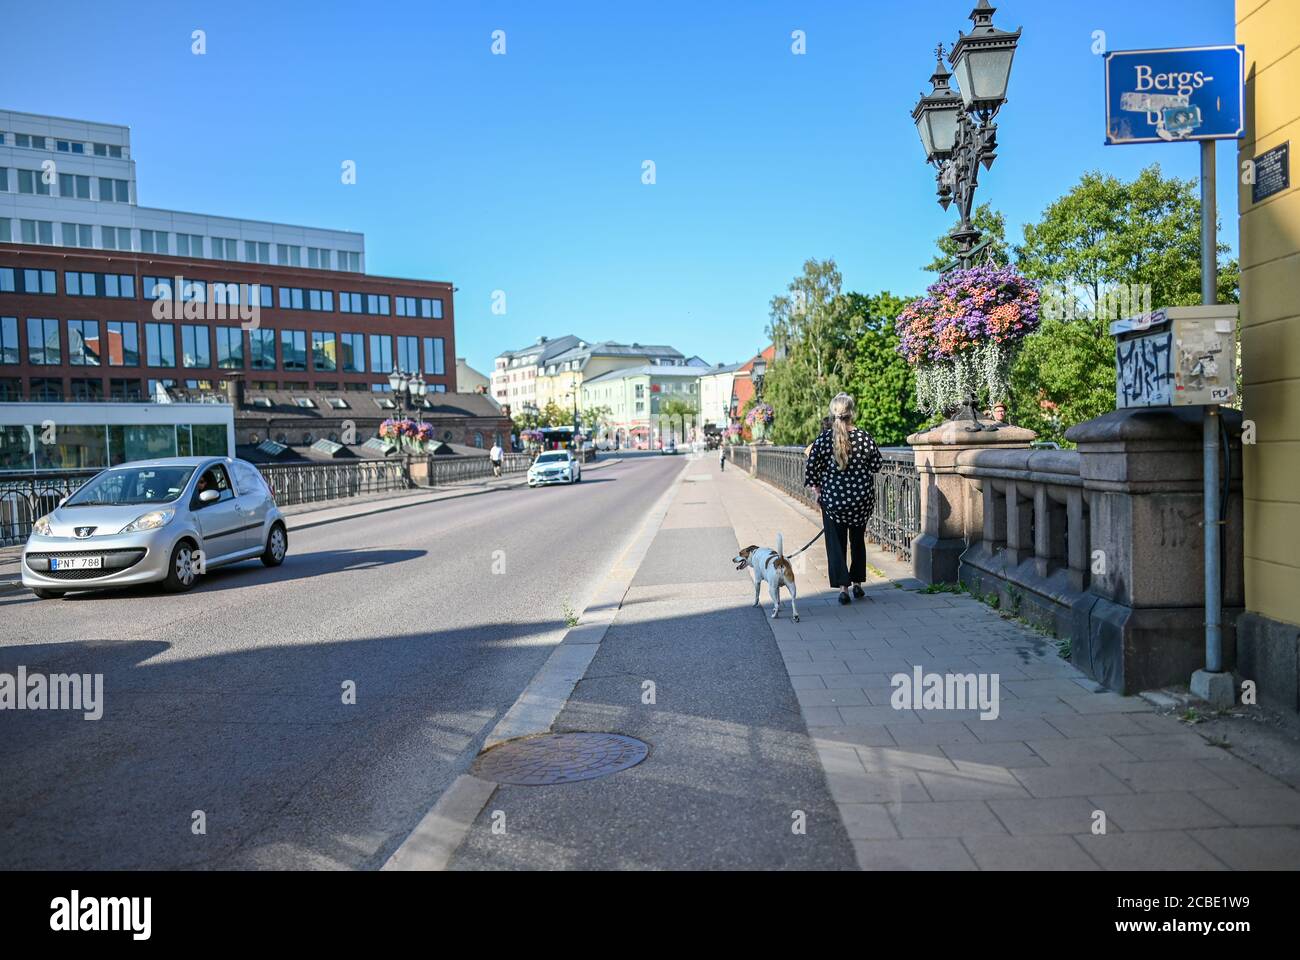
844	598
858	592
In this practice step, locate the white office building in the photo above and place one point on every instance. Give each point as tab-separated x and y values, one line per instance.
72	183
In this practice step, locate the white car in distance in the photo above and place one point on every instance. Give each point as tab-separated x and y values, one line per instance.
554	466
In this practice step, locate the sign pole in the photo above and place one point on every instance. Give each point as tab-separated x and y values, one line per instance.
1211	684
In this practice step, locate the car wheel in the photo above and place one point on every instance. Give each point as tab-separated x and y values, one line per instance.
182	571
277	545
42	594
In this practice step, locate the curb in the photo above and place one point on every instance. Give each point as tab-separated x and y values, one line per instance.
433	842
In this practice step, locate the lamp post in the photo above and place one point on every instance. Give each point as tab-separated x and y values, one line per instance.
410	389
957	129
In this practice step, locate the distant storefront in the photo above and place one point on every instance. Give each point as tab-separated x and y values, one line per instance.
62	437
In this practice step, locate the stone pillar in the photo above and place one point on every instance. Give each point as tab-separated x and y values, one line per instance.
952	515
1142	477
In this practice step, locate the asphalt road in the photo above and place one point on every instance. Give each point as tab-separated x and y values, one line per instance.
229	699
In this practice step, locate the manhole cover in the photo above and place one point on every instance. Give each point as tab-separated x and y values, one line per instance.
560	758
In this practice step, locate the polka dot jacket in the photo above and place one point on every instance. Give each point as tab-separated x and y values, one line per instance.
848	496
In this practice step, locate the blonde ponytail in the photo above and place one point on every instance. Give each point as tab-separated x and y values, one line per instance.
841	424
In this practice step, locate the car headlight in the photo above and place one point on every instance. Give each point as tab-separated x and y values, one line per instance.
42	527
150	521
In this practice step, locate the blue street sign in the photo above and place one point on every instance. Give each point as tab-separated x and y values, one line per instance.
1173	96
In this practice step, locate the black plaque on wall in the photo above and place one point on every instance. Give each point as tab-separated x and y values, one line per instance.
1272	173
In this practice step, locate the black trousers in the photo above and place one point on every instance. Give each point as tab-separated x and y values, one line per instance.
838	536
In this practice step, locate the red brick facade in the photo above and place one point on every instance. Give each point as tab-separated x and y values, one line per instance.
76	380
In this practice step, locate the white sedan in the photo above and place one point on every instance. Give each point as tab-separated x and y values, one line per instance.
555	466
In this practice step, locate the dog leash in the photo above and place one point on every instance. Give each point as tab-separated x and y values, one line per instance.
806	545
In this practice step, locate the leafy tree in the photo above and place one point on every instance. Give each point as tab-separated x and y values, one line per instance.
554	415
830	342
814	349
993	225
881	382
1104	235
676	413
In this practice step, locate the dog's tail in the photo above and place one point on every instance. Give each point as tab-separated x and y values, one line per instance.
780	546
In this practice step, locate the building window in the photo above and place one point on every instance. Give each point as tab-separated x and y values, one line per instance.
230	348
116	191
431	308
320	300
124	390
381	353
123	344
47	390
224	249
189	245
87	391
37	231
352	353
27	140
160	344
434	362
405	306
293	349
291	298
318	258
78	235
262	349
26	281
108	150
288	255
9	340
74	185
408	353
377	304
349	302
194	346
155	241
83	343
43	342
324	351
69	146
257	251
350	261
116	238
31	181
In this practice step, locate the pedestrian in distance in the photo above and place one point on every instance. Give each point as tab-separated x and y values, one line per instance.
495	455
722	459
841	462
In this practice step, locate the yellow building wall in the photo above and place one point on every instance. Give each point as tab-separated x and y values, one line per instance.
1270	312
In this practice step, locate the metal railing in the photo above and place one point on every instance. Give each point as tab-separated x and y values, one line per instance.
313	482
445	470
742	456
896	520
24	500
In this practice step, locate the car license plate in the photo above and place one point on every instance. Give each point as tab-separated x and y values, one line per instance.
76	563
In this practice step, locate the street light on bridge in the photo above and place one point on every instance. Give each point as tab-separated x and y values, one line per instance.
957	130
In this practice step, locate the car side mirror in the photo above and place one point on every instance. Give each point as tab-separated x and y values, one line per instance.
209	496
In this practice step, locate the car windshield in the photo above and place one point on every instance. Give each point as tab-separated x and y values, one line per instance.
132	485
553	458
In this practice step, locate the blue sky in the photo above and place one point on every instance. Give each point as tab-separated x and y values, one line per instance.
522	172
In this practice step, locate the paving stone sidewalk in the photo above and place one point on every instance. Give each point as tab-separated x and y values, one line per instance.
936	789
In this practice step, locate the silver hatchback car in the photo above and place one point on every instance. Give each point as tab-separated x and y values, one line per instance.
155	521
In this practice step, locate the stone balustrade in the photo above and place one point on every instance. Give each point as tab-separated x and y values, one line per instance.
1101	545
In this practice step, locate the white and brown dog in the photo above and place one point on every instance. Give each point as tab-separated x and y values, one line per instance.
770	566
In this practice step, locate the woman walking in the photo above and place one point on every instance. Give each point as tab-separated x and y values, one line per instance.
840	464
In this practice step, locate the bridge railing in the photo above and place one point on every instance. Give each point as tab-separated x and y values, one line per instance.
897	517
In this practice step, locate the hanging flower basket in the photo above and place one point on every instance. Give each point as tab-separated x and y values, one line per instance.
759	420
962	336
406	435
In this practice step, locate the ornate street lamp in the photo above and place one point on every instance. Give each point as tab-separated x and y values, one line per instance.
958	133
410	390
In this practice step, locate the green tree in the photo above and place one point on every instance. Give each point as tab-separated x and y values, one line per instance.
814	350
1104	235
554	415
993	225
676	413
830	342
881	381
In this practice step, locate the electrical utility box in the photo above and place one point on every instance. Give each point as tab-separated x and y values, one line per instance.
1176	357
